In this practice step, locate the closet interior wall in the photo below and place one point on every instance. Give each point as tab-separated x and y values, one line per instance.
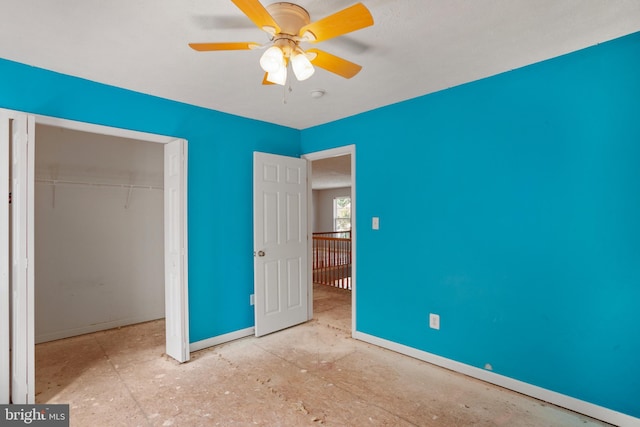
99	236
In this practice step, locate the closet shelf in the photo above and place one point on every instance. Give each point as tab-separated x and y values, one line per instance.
97	184
129	187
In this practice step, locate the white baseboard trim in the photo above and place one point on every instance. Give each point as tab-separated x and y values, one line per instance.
573	404
221	339
88	329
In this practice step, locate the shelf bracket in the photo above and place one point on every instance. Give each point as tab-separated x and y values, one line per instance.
126	205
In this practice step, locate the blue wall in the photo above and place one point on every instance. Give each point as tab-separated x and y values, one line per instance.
220	206
512	209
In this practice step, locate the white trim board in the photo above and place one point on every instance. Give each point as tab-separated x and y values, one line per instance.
564	401
5	286
177	307
221	339
74	332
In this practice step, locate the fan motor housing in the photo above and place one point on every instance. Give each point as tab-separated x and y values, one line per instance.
290	17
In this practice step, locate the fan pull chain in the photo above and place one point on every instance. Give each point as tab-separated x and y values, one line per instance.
284	93
284	89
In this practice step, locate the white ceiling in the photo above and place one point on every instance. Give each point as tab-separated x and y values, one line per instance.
416	47
332	172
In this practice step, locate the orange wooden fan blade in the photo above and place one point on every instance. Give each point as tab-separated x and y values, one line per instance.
204	47
334	64
347	20
258	14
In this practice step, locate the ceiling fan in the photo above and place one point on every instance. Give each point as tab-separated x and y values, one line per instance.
288	25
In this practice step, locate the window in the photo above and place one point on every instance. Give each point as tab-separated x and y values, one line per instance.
342	214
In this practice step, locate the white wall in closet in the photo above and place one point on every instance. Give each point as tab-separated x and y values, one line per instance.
99	254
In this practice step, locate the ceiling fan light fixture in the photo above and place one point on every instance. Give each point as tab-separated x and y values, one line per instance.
288	25
278	77
301	65
272	59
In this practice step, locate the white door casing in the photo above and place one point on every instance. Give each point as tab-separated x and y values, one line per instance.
17	368
349	150
4	258
280	242
22	305
175	247
175	227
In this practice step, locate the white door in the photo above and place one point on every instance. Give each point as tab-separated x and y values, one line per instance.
280	242
175	250
4	258
22	308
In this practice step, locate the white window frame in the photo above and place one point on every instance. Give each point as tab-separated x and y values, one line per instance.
335	212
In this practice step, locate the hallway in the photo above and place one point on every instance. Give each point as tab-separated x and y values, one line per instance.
312	374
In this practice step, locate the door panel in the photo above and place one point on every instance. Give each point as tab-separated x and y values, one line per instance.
176	294
280	242
22	306
5	125
293	279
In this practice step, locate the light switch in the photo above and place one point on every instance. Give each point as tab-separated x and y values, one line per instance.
375	223
434	321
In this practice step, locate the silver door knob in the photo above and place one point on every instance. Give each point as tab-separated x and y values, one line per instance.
260	253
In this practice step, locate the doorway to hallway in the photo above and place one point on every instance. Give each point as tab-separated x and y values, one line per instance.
333	251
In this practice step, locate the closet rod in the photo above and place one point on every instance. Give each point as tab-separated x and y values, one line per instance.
97	184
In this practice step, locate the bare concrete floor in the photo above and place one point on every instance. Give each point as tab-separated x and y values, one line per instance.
313	374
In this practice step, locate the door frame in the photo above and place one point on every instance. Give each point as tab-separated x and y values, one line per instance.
319	155
5	329
16	269
180	307
22	254
181	320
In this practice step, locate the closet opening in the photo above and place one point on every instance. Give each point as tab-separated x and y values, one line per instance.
99	232
90	252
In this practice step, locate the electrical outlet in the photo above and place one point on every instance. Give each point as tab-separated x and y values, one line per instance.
434	321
